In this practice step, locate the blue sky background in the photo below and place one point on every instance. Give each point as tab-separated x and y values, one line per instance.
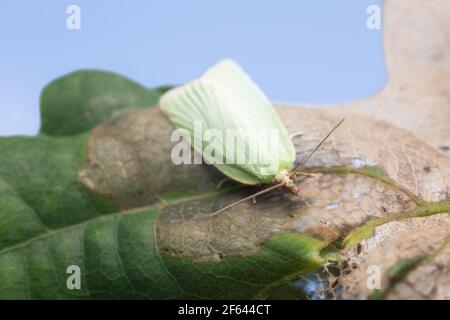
299	51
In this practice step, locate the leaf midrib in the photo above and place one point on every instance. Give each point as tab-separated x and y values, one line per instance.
157	206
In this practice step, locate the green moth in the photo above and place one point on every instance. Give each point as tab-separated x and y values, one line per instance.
226	100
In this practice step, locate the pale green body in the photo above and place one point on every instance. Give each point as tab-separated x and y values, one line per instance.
226	98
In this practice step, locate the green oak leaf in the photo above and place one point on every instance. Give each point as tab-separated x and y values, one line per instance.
80	100
53	216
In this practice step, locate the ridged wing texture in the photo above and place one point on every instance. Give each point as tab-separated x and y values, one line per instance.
226	101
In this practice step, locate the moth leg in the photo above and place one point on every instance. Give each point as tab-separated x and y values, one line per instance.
296	134
221	182
254	200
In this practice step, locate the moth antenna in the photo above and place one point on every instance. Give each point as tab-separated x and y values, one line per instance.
302	163
248	198
280	184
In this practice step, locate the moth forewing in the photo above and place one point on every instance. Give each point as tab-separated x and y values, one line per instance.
226	99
